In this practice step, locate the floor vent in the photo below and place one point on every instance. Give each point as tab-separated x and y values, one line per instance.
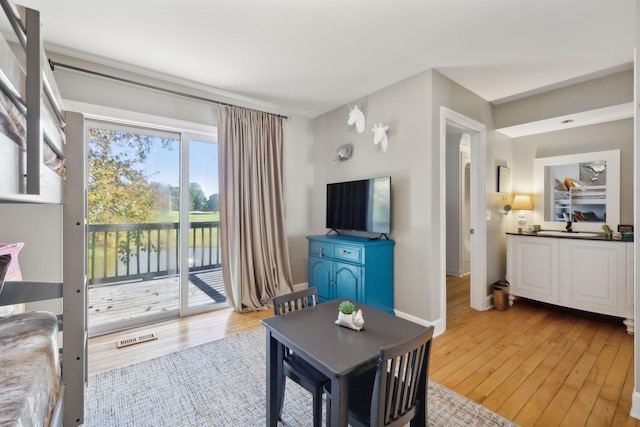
136	340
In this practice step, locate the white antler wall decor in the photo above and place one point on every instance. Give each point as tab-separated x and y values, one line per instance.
380	136
356	117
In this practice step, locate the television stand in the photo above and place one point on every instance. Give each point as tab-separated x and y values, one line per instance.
352	267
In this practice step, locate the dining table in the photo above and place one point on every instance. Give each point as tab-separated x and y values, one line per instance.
337	351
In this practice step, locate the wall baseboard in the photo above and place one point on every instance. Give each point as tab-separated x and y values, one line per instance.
635	405
437	324
300	286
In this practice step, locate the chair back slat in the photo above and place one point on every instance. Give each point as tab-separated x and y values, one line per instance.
295	301
397	389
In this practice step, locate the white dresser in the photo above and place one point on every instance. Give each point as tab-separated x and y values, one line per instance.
594	275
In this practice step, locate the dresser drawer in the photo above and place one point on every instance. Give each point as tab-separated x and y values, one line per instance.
347	253
320	249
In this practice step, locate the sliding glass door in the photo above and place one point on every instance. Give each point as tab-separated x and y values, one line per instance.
202	266
153	226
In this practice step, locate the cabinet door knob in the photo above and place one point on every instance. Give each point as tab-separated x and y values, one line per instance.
331	282
343	252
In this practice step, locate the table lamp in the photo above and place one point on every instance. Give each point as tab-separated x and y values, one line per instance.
522	202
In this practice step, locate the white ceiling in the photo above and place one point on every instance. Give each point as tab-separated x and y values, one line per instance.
311	56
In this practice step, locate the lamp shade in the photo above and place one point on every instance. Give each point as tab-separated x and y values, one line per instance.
522	202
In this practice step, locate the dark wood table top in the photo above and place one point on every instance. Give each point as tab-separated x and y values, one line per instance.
336	350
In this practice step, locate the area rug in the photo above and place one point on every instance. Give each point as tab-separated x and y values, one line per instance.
222	383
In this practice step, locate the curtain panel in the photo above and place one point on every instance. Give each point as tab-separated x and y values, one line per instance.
255	255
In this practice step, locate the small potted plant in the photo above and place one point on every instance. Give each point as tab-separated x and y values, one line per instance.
346	307
347	316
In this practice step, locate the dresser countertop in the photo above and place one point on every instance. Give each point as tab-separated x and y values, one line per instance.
566	235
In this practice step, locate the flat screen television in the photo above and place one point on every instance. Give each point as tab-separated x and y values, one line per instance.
363	205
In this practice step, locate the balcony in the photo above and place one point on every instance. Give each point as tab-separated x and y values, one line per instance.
132	269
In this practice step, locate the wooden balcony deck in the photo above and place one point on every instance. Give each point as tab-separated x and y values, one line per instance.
125	301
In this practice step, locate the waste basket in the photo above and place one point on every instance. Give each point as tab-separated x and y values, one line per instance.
500	294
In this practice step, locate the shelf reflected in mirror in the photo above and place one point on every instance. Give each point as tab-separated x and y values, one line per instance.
583	189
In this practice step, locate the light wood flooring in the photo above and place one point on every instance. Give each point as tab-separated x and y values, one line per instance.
534	364
458	296
173	335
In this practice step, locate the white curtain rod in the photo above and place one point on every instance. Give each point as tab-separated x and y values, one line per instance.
54	64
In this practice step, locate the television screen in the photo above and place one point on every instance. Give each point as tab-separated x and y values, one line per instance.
363	205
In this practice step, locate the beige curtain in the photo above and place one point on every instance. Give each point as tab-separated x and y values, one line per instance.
255	256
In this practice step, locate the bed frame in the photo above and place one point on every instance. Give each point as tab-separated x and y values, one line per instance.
35	164
34	131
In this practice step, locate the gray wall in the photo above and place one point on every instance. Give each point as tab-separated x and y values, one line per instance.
614	89
405	108
498	153
39	227
411	108
600	137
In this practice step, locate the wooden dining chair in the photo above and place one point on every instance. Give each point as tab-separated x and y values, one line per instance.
296	368
390	394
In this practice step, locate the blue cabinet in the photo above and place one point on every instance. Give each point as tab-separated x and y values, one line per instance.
352	267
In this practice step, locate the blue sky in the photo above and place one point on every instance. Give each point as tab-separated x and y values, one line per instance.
203	165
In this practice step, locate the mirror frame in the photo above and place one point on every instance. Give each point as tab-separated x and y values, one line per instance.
612	157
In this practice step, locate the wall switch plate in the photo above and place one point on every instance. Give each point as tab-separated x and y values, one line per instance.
488	215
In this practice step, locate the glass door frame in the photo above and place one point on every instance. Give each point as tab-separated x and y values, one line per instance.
186	138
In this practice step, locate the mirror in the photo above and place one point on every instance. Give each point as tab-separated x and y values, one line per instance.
582	187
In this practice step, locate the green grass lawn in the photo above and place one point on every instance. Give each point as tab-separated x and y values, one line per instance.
193	217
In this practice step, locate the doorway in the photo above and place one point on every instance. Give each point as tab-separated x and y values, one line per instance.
458	205
452	122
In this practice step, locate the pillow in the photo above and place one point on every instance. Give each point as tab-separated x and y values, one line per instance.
560	185
12	249
5	262
578	183
577	215
590	216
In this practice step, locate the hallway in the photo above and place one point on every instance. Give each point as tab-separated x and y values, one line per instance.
458	300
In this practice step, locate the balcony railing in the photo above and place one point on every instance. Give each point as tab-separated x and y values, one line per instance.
129	252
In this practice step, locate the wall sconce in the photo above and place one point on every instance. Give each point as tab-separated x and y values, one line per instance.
343	152
522	202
